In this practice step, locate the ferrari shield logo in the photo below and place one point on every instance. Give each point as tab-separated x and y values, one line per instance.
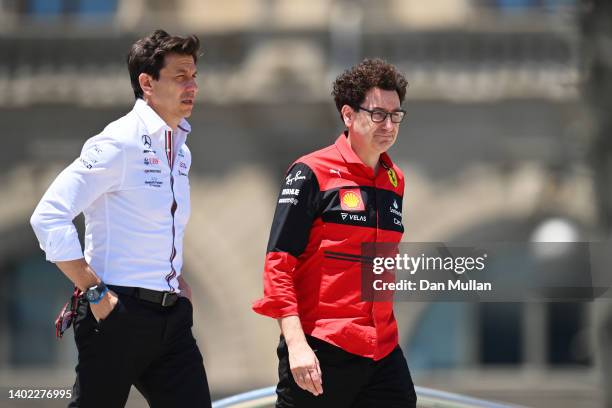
392	177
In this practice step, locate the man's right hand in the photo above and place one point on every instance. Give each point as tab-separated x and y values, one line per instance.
105	306
84	277
305	367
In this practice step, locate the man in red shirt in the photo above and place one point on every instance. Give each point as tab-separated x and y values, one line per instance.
337	349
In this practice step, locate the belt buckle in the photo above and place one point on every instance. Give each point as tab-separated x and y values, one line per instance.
166	297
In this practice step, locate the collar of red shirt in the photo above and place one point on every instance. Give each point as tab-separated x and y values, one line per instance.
349	155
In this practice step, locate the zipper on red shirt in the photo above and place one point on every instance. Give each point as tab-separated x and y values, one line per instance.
170	156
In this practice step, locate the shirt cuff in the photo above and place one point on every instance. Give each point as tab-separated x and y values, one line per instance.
275	307
63	245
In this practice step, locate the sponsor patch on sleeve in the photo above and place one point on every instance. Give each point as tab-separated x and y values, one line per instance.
92	156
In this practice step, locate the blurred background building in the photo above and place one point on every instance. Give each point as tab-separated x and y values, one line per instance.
505	140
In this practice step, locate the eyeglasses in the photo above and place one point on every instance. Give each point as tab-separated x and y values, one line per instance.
379	116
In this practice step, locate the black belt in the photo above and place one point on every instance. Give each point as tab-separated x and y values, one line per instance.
155	296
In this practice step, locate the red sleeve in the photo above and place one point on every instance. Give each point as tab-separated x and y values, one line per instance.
279	294
296	210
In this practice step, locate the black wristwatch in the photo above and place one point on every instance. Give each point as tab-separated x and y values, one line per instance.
95	294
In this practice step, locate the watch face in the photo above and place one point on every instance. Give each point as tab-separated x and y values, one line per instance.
90	295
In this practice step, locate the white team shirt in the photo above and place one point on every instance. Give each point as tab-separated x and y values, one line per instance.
125	185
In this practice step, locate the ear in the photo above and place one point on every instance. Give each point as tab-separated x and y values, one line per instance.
348	115
146	83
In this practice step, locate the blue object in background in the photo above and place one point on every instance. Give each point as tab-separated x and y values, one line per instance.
440	337
45	8
527	5
516	5
85	8
96	7
38	292
556	4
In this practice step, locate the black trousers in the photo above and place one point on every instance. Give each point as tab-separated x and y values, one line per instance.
142	344
349	380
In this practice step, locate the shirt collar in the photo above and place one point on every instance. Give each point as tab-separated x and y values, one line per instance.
153	122
349	155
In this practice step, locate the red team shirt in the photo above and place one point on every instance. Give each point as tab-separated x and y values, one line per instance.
329	204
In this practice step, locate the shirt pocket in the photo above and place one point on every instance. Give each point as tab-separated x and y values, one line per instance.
340	277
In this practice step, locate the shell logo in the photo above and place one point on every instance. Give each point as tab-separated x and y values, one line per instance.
351	200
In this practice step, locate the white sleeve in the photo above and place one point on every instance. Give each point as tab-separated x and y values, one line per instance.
98	170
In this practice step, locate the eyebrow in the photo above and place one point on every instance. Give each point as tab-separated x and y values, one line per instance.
184	70
399	108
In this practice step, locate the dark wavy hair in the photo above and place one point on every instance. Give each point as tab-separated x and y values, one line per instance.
147	55
351	86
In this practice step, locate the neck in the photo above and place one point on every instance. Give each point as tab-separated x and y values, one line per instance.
368	158
170	121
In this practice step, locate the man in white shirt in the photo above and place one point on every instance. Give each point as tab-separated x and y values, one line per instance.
133	323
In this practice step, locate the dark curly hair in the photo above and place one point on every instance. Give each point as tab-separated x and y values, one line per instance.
351	86
147	55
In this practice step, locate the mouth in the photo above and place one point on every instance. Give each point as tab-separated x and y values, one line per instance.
187	102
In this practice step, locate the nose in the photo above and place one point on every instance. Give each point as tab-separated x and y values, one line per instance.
387	123
192	86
